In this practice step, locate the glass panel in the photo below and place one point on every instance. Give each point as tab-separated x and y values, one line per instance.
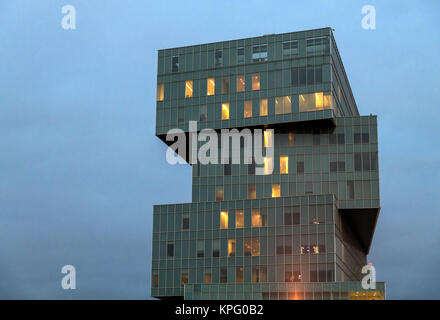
225	85
256	218
225	111
268	139
248	108
239	219
240	83
231	248
160	92
263	107
255	81
268	166
188	89
284	165
210	86
224	220
276	190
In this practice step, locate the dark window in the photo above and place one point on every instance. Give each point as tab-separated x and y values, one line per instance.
200	248
309	188
373	160
218	58
294	77
332	138
318	75
366	161
216	248
341	138
223	274
357	138
184	278
251	167
227	168
291	216
155	280
310	76
175	64
240	55
350	189
300	167
292	139
203	114
170	250
333	166
365	138
259	53
290	48
316	138
341	166
357	161
288	219
302	76
225	85
185	222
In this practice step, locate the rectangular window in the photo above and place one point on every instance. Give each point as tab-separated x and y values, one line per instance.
185	221
207	276
175	64
317	45
203	113
251	167
300	167
284	165
251	247
283	105
268	139
239	275
248	108
170	250
257	221
219	194
225	111
223	219
218	58
239	219
160	92
255	247
341	166
268	166
255	81
216	248
155	280
314	101
240	55
263	107
183	278
223	275
305	249
333	166
259	53
292	139
276	192
341	138
231	248
225	85
357	161
240	83
210	86
316	138
252	194
188	89
290	48
200	248
350	189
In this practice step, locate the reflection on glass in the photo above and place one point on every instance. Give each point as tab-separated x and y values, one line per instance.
188	89
210	89
225	111
224	220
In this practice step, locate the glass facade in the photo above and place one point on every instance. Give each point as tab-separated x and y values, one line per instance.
303	229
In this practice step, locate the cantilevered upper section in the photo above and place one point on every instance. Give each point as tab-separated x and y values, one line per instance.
271	79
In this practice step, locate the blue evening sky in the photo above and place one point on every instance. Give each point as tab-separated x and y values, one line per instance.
80	166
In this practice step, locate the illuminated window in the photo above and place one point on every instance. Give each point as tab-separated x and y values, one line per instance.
240	83
210	86
276	190
188	89
239	275
292	139
248	108
160	92
225	111
268	139
257	220
231	248
268	166
225	85
255	81
207	277
284	165
219	194
184	278
283	105
252	193
251	247
224	220
263	107
315	101
239	219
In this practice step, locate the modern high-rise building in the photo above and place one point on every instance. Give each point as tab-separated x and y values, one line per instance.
300	231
